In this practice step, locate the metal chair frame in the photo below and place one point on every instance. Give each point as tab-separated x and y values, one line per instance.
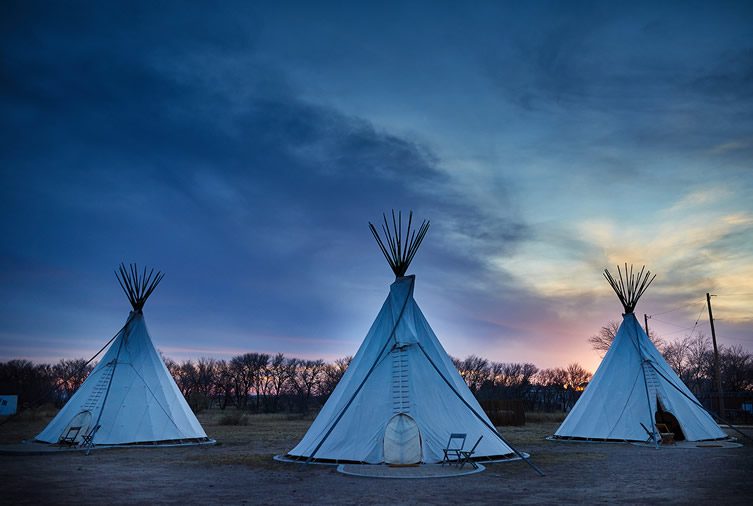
467	454
453	451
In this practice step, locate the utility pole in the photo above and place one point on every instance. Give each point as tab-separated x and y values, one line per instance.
717	369
645	323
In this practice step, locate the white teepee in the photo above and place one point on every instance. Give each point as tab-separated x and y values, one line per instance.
634	388
130	396
401	397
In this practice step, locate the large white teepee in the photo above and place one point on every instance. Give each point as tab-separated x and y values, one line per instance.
130	396
401	397
634	388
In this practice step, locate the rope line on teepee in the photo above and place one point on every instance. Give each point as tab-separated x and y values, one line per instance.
156	400
66	380
363	382
112	375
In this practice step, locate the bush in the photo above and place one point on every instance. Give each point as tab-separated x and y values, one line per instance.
236	418
544	417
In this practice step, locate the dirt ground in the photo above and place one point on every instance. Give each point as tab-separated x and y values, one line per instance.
240	470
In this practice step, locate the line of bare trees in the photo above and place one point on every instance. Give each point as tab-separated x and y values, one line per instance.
542	389
692	358
269	383
257	381
42	383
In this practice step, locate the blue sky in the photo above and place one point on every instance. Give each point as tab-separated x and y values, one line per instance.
243	147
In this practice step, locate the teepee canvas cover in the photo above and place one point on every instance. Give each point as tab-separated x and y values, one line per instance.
130	396
632	383
401	397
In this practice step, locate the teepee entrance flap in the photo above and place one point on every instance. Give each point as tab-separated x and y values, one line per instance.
402	441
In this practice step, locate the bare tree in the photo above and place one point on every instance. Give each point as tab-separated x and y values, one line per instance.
475	371
248	370
279	375
700	362
225	382
69	375
602	340
676	355
307	378
32	383
736	369
551	387
186	378
577	377
333	373
206	370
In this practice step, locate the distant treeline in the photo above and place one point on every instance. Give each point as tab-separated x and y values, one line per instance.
261	382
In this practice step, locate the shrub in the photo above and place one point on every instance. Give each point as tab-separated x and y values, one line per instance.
236	418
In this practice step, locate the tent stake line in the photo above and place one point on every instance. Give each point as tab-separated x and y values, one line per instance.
489	426
81	369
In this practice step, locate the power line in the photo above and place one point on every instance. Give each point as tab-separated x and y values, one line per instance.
671	310
743	339
668	323
676	331
681	329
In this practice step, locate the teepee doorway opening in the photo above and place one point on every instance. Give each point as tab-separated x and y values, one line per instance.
402	441
668	420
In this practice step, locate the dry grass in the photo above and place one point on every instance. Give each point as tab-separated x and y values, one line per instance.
535	417
241	469
26	424
233	418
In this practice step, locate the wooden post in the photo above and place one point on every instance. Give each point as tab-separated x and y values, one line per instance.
645	323
717	369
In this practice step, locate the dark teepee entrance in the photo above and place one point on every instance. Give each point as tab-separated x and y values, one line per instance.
666	420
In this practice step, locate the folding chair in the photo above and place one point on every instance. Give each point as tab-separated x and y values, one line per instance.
69	438
88	439
467	454
454	446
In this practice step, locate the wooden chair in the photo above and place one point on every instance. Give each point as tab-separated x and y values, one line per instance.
667	436
467	454
454	447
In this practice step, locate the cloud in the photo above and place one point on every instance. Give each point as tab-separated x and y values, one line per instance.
194	155
243	148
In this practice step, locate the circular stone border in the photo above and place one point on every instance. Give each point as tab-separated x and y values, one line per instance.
28	448
422	471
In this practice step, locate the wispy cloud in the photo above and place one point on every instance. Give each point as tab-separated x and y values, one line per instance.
243	148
